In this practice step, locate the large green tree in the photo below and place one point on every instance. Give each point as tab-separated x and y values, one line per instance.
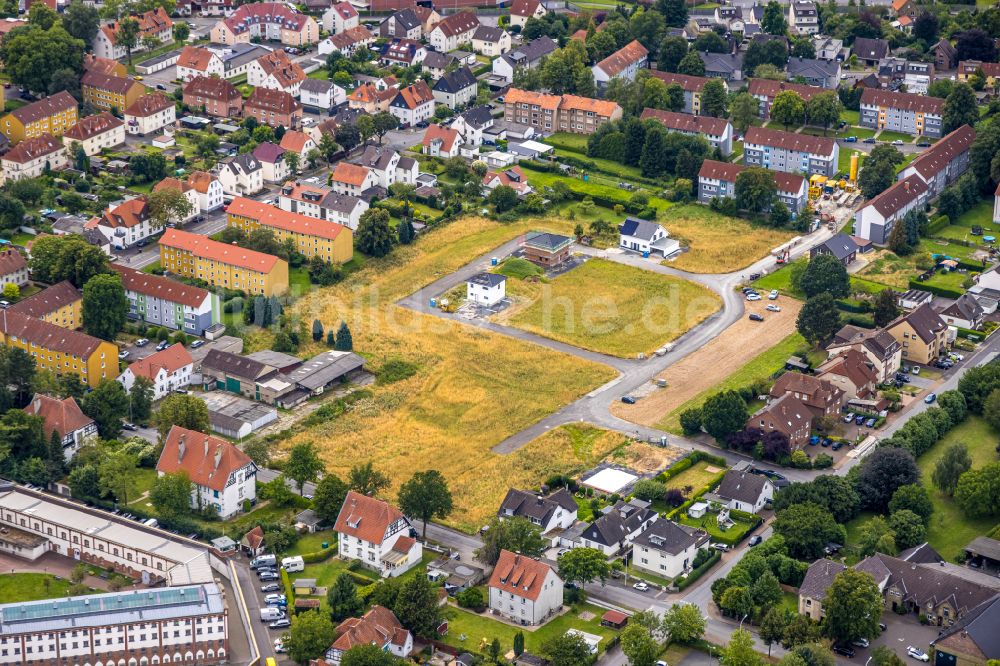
310	637
960	108
853	607
913	497
824	109
373	236
329	497
819	318
774	22
744	109
81	21
368	654
824	274
425	496
185	411
518	535
583	565
683	623
107	404
417	608
908	529
140	400
978	491
32	56
882	472
639	646
714	99
343	599
788	108
755	189
691	64
105	306
567	650
724	414
740	650
117	475
886	308
303	464
807	528
365	479
57	258
171	494
955	462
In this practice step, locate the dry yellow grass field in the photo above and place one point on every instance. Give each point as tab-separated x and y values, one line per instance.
610	308
716	243
473	388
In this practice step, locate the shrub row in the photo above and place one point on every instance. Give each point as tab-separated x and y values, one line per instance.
937	224
708	487
685	581
860	320
319	556
946	292
733	540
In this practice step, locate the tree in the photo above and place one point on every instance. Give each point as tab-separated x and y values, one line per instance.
876	177
32	56
417	607
714	98
876	537
740	651
168	205
107	405
518	535
638	645
691	64
814	654
648	27
755	189
582	565
148	166
773	626
915	498
853	606
990	407
925	27
181	32
374	237
292	160
807	528
744	109
788	108
882	472
653	161
819	318
955	462
116	475
384	123
185	411
824	109
310	637
58	258
683	623
343	599
105	306
502	198
171	494
425	496
368	654
884	656
908	528
766	591
674	11
886	308
710	42
303	465
723	414
975	44
81	21
672	50
367	480
774	22
329	497
567	650
84	482
127	36
780	217
801	629
344	341
317	330
978	491
824	274
960	108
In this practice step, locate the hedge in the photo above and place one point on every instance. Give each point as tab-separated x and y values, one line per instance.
319	556
849	305
935	289
289	590
734	540
937	224
695	574
860	320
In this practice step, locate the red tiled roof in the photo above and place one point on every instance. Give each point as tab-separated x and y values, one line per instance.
936	158
160	287
905	101
48	300
44	108
128	214
208	460
148	105
118	85
403	544
416	94
295	141
277	64
768	88
379	626
277	13
351	36
524	7
103	65
32	148
254	537
685	122
212	87
11	261
457	24
48	336
206	248
366	518
689	83
620	60
519	575
518	96
195	57
898	196
272	216
171	359
816	145
352	174
62	416
90	126
600	107
277	101
786	182
447	136
200	181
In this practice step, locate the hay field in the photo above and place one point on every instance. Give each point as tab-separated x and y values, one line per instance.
716	243
472	389
610	308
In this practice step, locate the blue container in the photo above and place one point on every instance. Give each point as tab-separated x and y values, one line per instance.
494	261
434	303
645	254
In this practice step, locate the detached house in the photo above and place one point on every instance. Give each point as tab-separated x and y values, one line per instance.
513	177
96	133
13	268
241	175
339	17
787	415
150	113
456	88
221	475
403	52
803	18
440	141
452	31
818	579
371	99
612	532
965	312
378	627
126	224
878	346
522	10
667	548
821	397
31	158
377	535
197	61
556	511
388	165
841	247
624	63
217	97
413	104
490	41
168	370
272	159
524	590
321	95
64	418
404	24
645	237
352	179
276	71
745	491
922	333
820	73
171	183
525	56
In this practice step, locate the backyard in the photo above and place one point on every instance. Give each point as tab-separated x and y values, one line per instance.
697	476
18	587
609	307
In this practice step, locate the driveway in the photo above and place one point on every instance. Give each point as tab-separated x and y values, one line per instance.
901	632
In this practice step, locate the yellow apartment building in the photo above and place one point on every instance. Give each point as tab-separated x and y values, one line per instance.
61	304
330	241
110	93
60	350
50	115
223	265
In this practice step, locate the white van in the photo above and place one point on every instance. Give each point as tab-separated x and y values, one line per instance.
263	561
271	613
152	522
293	564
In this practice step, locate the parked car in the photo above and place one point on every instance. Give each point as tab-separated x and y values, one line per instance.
836	446
845	650
902	377
870	423
270	587
915	370
754	540
269	576
721	547
870	139
163	345
276	600
931	397
850	139
756	317
859	419
814	440
124	355
279	646
283	623
197	343
848	417
773	295
641	587
919	655
827	442
771	307
628	399
129	426
753	296
861	643
897	142
141	342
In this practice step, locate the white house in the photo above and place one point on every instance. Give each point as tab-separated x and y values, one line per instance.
352	179
323	203
377	535
455	89
322	95
525	56
471	125
486	289
617	526
745	491
441	141
524	590
646	237
209	189
874	220
453	30
241	175
276	71
996	205
65	418
197	61
272	160
221	475
379	627
168	370
95	133
340	17
667	548
522	10
803	18
13	268
413	104
388	166
150	114
31	157
490	41
557	511
127	223
624	63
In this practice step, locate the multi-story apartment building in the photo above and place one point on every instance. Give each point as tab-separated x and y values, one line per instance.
718	179
167	370
765	90
110	92
376	534
908	113
154	24
692	86
553	113
185	625
241	175
50	115
222	476
339	17
803	18
313	237
452	31
209	189
942	164
31	158
789	152
95	133
524	590
65	418
922	334
61	304
150	113
161	301
60	350
874	220
322	203
223	265
456	88
717	131
127	223
274	108
268	21
215	97
624	63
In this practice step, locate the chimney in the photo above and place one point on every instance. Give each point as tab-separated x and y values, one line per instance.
206	447
218	456
38	404
180	448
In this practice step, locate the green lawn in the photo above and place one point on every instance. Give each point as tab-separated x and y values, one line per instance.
576	143
949	529
31	587
759	368
906	162
790	602
781	280
709	523
477	628
144	483
298	280
850	117
596	185
889	135
696	476
313	543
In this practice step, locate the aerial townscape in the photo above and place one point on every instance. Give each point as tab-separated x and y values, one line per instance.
499	332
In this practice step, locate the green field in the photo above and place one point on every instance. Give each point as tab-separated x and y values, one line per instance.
31	587
596	185
889	135
781	280
850	117
612	308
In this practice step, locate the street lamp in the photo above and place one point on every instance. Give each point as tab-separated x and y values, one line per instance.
743	620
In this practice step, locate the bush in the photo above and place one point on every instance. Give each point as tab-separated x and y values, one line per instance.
650	490
691	421
471	598
697	572
822	461
937	290
319	555
937	224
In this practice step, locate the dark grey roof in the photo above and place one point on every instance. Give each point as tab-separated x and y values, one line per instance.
922	554
245	163
870	49
965	307
819	577
453	82
947	47
438	60
479	116
924	320
375	157
405	163
407	19
324	368
812	68
620	520
535	507
638	228
980	625
546	240
487	33
840	246
721	63
986	547
348	116
317	86
487	279
742	486
530	52
670	537
236	365
921	584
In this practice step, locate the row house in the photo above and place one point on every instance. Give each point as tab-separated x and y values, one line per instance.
765	90
154	24
692	86
33	157
790	152
150	114
322	203
50	115
922	334
553	113
215	97
167	370
990	71
110	93
313	237
223	265
718	179
717	131
274	108
96	133
221	475
879	347
624	63
453	31
820	396
942	164
276	71
266	21
412	22
371	99
160	301
347	42
908	113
